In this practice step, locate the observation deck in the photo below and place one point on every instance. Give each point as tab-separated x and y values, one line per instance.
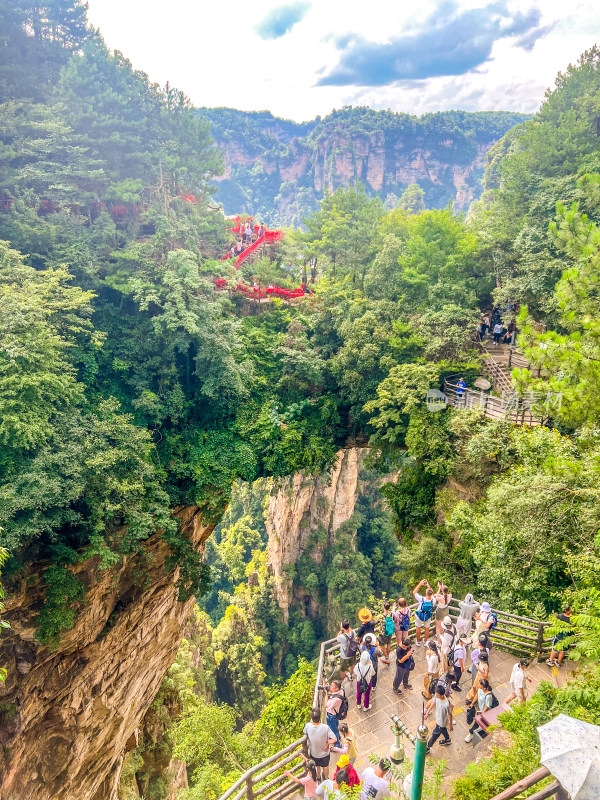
515	637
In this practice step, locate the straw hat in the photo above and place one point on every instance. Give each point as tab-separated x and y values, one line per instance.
447	623
365	615
343	761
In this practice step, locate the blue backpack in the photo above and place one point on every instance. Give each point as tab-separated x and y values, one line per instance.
426	610
495	622
389	625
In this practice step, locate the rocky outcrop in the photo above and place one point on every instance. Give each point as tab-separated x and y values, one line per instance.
302	505
69	715
279	169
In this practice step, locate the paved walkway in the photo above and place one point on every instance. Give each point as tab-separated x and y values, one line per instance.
372	728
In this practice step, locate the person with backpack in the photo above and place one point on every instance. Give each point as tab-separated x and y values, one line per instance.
364	674
424	612
401	616
385	639
367	624
483	702
320	738
308	780
370	645
348	739
348	649
518	680
486	620
336	707
405	663
432	657
448	640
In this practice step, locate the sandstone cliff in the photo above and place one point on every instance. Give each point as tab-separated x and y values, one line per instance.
68	716
306	517
278	169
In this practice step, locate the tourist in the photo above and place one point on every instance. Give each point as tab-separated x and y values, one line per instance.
460	657
335	696
480	332
385	639
331	790
367	623
432	657
443	717
348	745
484	619
364	673
480	667
343	763
467	607
460	391
448	642
497	333
239	246
517	681
401	615
442	599
320	739
370	645
376	781
486	324
348	649
424	611
483	702
309	780
558	655
405	662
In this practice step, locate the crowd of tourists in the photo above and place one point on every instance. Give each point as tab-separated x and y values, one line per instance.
493	326
453	649
248	235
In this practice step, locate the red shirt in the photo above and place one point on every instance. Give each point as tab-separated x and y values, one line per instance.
353	779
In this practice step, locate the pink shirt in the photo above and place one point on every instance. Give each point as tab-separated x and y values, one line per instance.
333	705
310	787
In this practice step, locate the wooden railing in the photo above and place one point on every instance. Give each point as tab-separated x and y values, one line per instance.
553	789
520	636
493	407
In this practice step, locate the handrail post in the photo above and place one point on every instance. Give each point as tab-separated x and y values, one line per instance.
416	789
540	639
249	789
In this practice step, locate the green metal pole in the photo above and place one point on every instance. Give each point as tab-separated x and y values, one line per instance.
416	789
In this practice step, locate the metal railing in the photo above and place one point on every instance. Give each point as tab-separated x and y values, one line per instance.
520	636
553	789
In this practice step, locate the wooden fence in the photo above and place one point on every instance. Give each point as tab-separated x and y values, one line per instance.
514	411
517	635
553	789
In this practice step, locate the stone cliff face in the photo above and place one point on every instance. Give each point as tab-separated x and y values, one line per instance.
279	169
69	715
299	507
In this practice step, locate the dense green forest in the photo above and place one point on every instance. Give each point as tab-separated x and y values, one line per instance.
130	387
282	169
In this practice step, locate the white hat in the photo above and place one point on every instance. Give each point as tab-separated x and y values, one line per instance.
447	623
486	607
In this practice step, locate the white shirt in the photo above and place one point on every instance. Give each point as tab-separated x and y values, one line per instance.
517	678
327	791
448	637
373	787
433	664
460	653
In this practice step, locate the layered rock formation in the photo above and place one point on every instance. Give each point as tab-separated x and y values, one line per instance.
279	169
69	715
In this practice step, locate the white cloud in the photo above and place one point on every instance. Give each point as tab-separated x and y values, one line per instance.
213	53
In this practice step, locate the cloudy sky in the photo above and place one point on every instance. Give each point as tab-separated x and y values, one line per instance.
306	57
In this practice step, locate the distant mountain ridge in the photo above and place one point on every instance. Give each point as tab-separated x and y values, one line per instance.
278	169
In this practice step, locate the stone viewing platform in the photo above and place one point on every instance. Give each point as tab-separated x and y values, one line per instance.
515	637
